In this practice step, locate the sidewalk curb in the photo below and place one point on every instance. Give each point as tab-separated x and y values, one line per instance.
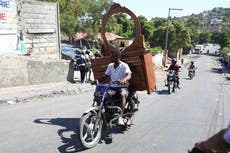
43	91
24	94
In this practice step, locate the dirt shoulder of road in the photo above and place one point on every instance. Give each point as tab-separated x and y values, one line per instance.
18	94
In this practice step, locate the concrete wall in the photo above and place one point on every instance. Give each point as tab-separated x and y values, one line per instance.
38	24
24	70
8	26
35	21
157	58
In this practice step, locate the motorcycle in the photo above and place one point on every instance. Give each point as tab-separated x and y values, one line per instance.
191	73
171	81
104	114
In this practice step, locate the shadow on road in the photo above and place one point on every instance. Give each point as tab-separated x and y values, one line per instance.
187	78
70	144
162	92
217	70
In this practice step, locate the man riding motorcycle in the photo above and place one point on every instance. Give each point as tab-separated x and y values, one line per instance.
192	66
118	71
176	68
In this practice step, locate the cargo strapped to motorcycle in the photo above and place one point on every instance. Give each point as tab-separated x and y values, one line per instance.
136	55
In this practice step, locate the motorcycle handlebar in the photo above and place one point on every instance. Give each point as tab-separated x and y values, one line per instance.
94	82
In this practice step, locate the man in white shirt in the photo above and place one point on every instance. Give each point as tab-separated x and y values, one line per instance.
118	71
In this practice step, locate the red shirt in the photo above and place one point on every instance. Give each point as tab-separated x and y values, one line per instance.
174	67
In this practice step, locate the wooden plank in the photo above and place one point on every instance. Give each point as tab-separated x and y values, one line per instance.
137	53
150	74
143	76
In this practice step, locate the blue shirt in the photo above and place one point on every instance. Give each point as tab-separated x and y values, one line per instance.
227	135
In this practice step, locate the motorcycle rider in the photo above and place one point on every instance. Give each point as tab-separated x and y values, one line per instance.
118	71
218	143
192	66
176	68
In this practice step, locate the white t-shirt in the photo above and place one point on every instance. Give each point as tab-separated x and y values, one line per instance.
119	73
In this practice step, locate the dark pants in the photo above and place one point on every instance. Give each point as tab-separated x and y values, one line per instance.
82	69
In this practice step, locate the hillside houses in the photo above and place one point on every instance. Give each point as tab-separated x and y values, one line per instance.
213	25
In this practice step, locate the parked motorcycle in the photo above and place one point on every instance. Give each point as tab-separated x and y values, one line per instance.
171	81
104	114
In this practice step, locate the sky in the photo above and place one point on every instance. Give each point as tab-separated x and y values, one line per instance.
159	8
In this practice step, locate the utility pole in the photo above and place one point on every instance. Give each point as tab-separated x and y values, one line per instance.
167	31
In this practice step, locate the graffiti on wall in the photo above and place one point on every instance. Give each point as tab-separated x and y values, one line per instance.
4	4
7	14
8	26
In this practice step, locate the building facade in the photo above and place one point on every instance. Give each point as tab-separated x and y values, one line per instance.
29	27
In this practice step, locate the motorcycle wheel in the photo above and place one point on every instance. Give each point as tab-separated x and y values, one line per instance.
130	106
190	76
90	128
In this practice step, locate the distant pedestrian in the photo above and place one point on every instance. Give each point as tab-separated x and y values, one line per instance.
88	65
182	61
81	63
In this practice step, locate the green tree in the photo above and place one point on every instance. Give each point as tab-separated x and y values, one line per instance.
204	37
224	39
221	38
146	28
112	26
215	37
159	31
226	26
94	12
178	35
194	23
127	25
81	16
225	50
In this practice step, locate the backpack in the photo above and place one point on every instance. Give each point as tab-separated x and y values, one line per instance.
79	59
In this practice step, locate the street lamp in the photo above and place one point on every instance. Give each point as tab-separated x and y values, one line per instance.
167	31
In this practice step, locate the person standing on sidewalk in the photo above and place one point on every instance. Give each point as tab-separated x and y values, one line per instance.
88	65
81	63
182	61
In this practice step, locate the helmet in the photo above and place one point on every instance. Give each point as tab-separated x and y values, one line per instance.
192	62
174	61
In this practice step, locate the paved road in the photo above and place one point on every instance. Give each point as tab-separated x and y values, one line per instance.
164	123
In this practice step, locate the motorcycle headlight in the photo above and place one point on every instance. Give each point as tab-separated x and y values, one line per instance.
111	92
